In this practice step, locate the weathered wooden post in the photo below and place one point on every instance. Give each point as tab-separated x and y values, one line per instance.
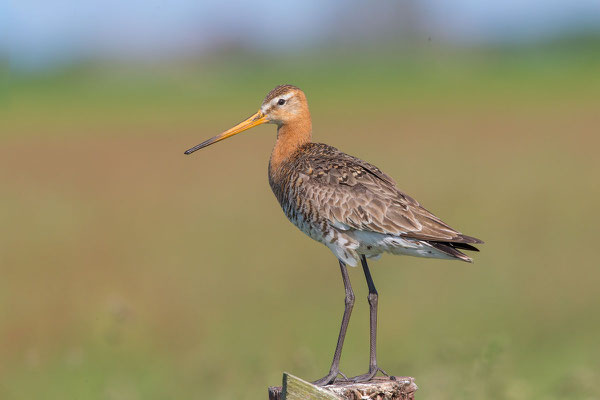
380	388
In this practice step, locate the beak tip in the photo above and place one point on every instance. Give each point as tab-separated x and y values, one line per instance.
190	151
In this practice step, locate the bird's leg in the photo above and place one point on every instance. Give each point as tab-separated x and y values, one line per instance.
334	371
373	299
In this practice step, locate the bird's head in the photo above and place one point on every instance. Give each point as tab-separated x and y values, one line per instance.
284	105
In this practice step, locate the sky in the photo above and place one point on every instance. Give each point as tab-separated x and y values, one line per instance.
38	33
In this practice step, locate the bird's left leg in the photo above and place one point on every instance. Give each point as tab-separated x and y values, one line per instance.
334	371
373	300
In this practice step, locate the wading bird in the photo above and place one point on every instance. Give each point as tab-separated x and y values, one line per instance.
347	204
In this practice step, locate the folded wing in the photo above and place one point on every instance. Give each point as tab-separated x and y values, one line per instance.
358	195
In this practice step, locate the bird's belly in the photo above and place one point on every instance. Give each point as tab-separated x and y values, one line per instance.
312	227
319	229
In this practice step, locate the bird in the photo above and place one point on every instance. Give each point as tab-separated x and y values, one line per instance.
347	204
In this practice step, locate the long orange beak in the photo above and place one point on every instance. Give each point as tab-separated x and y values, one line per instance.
257	119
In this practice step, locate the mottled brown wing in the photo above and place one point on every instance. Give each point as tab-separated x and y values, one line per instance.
358	195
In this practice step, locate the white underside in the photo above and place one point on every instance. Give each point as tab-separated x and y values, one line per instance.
353	243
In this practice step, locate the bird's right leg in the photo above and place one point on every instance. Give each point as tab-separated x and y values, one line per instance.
334	371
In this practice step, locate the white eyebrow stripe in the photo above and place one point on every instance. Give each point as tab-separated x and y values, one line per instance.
273	102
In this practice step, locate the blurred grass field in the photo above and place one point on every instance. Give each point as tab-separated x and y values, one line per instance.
130	271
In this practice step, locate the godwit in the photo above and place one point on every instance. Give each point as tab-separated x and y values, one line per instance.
347	204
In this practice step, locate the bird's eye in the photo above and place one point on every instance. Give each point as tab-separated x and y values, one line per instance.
281	102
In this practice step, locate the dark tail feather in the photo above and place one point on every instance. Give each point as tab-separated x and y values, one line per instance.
450	248
463	246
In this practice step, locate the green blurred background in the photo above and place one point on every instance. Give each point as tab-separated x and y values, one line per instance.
129	271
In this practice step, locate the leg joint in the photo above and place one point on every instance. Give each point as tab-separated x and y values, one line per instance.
349	299
373	298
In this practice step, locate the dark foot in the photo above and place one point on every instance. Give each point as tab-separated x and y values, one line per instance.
329	379
369	375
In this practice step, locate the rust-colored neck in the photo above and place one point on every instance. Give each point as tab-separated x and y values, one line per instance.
290	136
